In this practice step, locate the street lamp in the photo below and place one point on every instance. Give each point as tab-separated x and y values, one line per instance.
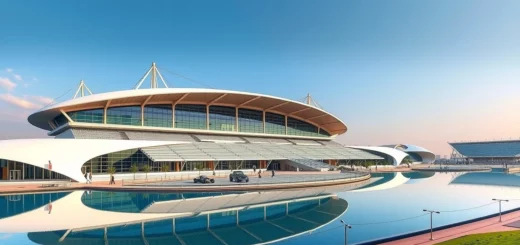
431	221
500	207
347	226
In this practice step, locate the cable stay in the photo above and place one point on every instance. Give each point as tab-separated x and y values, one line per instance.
154	72
81	90
310	101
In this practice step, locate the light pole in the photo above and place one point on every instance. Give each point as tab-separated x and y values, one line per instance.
500	207
431	221
346	227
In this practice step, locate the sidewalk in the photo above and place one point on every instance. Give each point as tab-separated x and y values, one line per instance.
483	226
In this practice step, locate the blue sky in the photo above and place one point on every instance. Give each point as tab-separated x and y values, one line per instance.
419	72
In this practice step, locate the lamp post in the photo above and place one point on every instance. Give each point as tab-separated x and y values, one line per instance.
347	226
431	221
500	207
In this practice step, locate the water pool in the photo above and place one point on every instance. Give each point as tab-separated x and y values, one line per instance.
308	216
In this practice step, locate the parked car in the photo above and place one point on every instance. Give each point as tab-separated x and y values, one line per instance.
238	176
203	179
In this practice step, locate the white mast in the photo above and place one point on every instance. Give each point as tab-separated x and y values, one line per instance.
153	80
81	90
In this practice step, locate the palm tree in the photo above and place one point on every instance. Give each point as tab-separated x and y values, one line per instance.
146	169
111	170
134	169
165	167
407	161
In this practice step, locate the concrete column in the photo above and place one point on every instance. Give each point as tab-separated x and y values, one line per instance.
207	117
236	119
263	120
173	115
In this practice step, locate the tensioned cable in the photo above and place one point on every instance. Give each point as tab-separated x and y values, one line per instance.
57	98
390	221
459	210
184	77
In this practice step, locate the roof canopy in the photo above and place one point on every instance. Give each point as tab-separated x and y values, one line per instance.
295	109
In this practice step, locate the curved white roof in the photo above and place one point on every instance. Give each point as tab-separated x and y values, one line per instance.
425	154
295	109
397	155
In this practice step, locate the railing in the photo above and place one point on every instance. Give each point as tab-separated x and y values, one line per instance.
183	181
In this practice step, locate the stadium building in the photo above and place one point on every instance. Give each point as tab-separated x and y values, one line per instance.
486	152
396	154
173	130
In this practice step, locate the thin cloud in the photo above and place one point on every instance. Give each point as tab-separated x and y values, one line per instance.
9	70
7	84
17	77
42	99
35	79
20	102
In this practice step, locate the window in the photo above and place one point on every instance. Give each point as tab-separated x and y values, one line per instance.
250	121
130	115
222	118
158	116
122	161
274	123
190	116
87	116
60	120
324	133
300	128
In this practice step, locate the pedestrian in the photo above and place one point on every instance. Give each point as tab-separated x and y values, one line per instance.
272	172
112	181
259	174
90	177
254	168
86	176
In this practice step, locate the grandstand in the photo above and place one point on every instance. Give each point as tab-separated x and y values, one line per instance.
486	152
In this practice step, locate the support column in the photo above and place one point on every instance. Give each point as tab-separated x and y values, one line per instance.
263	120
173	115
177	168
236	119
285	124
207	117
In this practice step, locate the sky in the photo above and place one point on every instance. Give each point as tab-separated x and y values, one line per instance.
402	71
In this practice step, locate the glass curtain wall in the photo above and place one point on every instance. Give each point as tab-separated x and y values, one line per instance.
158	116
127	115
222	118
301	128
11	170
60	120
190	116
87	116
250	121
274	123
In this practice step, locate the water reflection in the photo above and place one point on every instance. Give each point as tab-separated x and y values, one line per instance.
94	217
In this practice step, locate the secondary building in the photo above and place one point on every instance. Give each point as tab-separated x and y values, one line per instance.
486	152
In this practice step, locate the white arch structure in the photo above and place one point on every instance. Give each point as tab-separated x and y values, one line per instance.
396	155
66	155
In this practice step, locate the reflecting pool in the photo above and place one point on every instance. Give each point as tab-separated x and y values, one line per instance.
389	205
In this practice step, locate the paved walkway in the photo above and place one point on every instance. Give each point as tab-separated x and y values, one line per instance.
28	187
483	226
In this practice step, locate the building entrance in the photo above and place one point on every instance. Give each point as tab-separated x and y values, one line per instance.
15	174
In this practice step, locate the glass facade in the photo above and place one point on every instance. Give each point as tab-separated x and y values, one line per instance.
158	116
190	116
12	170
250	121
301	128
87	116
60	120
222	118
122	161
193	116
128	115
324	133
274	123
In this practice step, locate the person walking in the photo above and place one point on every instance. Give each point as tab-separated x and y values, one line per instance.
259	174
254	168
112	181
272	173
90	177
86	176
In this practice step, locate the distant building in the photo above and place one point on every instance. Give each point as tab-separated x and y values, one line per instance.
486	152
398	152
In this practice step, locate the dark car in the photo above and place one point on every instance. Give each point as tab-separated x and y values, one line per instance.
238	176
203	179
